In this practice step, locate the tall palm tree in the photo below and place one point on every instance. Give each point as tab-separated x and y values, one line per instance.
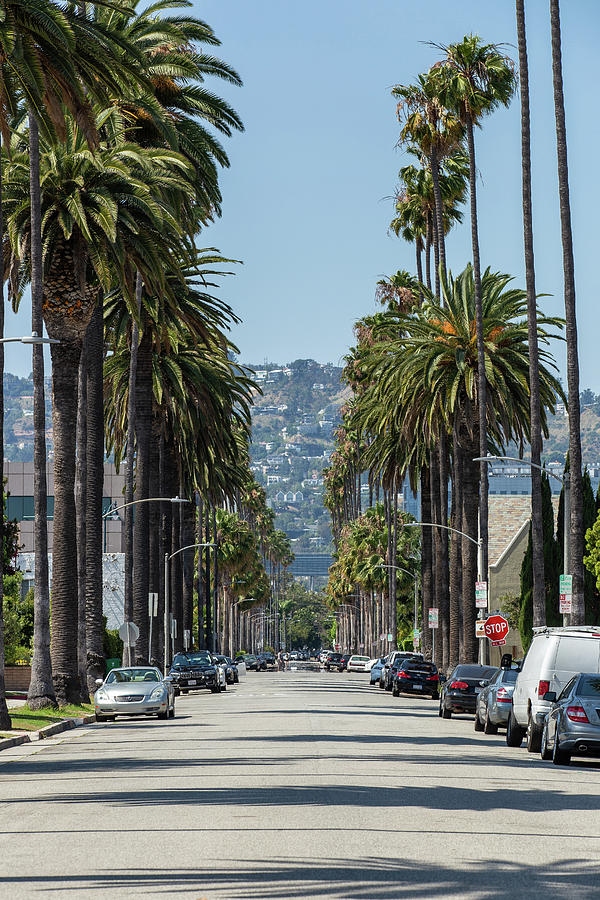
537	532
577	531
476	78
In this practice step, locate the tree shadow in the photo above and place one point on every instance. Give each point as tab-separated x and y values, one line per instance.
351	879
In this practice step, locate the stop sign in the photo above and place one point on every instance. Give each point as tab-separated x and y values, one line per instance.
496	629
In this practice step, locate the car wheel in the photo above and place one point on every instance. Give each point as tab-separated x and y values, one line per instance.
534	736
388	686
163	715
224	685
236	679
446	713
545	751
478	724
514	732
395	691
440	710
327	668
104	718
560	757
215	689
381	684
435	696
488	725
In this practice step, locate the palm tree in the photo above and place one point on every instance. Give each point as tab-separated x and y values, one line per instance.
475	79
429	373
577	545
537	532
93	207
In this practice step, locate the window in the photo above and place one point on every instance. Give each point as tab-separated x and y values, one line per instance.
567	689
589	686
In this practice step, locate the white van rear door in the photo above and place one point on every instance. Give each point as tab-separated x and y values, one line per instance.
573	655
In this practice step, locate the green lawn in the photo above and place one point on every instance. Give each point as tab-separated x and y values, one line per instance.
25	719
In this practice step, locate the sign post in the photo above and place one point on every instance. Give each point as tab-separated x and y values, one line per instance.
129	633
152	611
565	594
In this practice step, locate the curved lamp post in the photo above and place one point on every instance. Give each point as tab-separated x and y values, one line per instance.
167	619
413	575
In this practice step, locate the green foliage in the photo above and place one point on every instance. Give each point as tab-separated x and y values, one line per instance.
510	607
111	643
307	617
18	621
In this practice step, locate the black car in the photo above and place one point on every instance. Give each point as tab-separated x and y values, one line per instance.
459	692
335	661
415	676
231	671
190	671
392	661
270	659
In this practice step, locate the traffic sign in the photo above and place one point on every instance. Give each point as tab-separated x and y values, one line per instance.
565	584
496	629
565	593
481	594
152	604
434	617
129	633
480	628
565	603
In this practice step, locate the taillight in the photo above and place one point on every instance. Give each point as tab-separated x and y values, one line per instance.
543	687
432	678
402	675
503	696
577	714
459	686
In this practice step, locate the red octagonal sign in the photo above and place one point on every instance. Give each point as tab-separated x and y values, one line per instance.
496	629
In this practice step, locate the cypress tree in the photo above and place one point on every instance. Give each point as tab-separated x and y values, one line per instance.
526	614
592	605
551	571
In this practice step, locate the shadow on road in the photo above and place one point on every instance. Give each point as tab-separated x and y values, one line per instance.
351	879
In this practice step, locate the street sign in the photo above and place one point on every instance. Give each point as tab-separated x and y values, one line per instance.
481	594
496	629
565	593
186	638
416	634
390	638
152	604
434	616
480	628
129	633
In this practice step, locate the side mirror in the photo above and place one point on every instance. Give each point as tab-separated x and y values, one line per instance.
99	681
167	679
550	697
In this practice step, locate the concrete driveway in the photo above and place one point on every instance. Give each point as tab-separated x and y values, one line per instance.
295	785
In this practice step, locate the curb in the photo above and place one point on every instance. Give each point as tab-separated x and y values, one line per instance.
48	731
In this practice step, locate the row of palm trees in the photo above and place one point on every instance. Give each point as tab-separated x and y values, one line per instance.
457	367
110	164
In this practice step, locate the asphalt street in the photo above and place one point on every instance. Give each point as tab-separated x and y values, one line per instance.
295	785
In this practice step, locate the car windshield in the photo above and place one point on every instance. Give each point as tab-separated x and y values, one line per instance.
200	659
412	665
589	686
481	672
509	676
360	658
121	676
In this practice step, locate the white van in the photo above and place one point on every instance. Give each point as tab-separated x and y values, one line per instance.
555	655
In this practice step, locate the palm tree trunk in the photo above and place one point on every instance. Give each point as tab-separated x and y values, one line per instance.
80	508
393	604
426	562
188	515
65	371
419	255
537	532
41	688
434	470
469	549
154	555
129	465
94	490
455	554
576	524
439	215
5	722
141	532
200	540
481	376
444	598
163	544
428	253
215	586
208	620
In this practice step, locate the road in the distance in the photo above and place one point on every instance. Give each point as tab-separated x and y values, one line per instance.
295	785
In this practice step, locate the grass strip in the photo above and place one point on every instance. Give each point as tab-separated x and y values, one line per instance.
25	719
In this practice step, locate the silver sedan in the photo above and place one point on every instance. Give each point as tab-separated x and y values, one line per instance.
572	726
494	701
134	691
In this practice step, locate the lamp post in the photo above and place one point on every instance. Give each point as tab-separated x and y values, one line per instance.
413	575
110	512
565	480
167	621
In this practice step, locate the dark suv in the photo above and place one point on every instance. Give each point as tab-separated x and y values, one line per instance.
415	676
335	661
190	671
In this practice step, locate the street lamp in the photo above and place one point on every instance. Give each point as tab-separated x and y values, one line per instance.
32	338
413	575
565	480
168	558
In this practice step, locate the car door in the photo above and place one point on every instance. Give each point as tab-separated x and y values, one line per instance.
557	710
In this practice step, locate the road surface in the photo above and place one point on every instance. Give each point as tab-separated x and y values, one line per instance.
295	785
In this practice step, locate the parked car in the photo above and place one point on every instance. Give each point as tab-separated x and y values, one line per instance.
191	671
392	660
231	670
458	693
251	661
415	676
261	660
554	657
134	691
376	670
357	663
492	706
270	659
335	661
572	727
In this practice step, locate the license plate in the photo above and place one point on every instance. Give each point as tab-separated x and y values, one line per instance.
192	681
418	687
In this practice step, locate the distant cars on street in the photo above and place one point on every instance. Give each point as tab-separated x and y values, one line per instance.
335	661
415	676
357	663
494	700
459	691
192	671
376	670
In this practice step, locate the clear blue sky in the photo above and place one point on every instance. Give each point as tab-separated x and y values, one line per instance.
305	202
